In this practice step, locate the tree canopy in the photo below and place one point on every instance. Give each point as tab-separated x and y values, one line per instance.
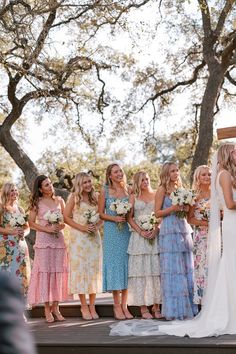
55	62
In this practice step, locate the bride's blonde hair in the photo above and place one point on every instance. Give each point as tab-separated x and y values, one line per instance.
137	181
78	189
226	160
196	176
165	180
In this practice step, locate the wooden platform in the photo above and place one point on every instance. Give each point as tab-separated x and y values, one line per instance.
89	337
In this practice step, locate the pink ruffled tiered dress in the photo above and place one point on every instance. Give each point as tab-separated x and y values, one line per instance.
49	277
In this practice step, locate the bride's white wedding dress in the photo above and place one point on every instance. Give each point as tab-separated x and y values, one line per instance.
218	315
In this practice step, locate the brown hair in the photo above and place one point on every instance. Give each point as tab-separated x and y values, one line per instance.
36	193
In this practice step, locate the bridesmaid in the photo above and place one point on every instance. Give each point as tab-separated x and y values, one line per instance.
49	277
144	273
115	242
175	244
85	251
14	255
198	216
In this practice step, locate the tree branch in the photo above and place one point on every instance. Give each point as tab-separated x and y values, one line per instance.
178	84
229	77
224	13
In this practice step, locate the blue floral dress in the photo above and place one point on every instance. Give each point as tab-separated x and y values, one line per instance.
14	256
176	266
115	246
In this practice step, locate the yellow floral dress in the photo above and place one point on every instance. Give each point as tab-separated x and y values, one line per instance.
14	256
85	256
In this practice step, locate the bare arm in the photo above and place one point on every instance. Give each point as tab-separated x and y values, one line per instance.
50	229
68	217
17	231
194	221
101	210
226	185
159	198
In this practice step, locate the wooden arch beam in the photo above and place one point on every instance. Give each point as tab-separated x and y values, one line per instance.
226	133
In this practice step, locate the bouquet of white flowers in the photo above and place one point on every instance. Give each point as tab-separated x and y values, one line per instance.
148	223
53	217
182	197
121	208
91	217
17	219
205	210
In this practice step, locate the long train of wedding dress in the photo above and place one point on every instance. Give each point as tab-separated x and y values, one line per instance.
218	315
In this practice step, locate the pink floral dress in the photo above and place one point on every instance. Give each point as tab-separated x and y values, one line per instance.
49	276
200	253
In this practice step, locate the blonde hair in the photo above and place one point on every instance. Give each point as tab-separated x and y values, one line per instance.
108	181
78	189
196	176
137	181
165	180
5	193
226	161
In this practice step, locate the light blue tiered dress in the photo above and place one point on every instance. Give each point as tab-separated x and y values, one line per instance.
115	245
176	266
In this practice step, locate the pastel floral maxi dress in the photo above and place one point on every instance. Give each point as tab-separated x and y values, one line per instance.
85	256
200	253
14	256
49	278
144	272
176	265
115	246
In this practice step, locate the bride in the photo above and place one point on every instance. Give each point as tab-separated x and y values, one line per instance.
218	315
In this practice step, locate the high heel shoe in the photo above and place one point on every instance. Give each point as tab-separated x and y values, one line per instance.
49	317
58	316
93	312
118	312
86	315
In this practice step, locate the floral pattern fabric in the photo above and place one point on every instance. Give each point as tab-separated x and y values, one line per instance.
49	278
176	266
85	256
144	272
200	254
14	257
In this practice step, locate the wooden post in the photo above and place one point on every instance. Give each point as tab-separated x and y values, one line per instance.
226	133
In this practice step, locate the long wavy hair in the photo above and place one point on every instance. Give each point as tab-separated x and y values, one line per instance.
196	177
36	193
226	160
165	180
5	193
108	180
137	181
78	189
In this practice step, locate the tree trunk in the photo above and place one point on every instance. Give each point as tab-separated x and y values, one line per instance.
19	156
207	118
